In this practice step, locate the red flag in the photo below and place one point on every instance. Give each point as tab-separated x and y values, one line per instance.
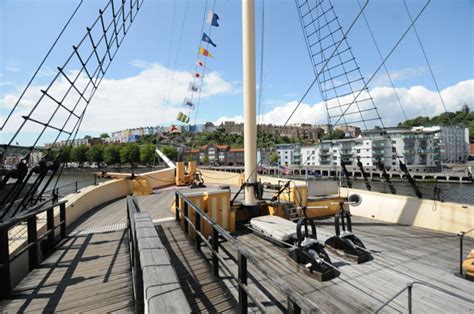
200	63
197	75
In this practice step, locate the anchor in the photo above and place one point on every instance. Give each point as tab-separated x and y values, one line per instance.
345	243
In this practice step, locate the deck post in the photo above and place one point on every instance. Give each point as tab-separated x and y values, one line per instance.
32	242
185	222
243	299
410	287
62	219
197	225
176	206
215	249
293	308
5	287
50	228
461	236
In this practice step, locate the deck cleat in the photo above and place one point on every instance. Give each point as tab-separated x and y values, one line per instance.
345	243
310	252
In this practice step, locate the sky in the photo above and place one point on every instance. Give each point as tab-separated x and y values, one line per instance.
149	78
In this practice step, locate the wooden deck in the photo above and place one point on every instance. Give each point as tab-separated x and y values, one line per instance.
203	291
87	273
90	271
402	254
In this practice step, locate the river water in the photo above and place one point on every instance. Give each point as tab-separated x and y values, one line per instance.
449	192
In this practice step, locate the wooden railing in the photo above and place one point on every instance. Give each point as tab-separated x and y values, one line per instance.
296	302
32	246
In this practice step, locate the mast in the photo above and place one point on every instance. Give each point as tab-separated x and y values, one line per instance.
250	120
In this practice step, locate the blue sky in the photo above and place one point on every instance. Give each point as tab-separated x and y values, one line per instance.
28	27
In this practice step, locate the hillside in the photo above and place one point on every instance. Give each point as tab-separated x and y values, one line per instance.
463	118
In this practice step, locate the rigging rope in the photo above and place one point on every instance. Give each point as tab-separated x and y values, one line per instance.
426	59
41	64
385	66
388	56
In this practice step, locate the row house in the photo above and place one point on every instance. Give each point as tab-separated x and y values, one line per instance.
219	155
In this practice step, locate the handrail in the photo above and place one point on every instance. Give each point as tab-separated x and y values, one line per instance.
137	277
461	255
296	300
32	247
409	287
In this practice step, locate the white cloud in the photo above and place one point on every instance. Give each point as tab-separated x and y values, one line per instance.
416	101
135	101
12	69
400	75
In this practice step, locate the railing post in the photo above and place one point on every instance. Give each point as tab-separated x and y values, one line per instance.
243	299
410	286
76	186
293	308
62	219
185	222
197	224
5	286
95	179
461	238
215	249
33	242
176	201
50	228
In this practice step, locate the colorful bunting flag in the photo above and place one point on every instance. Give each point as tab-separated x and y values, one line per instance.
207	39
212	18
188	103
205	52
182	117
200	63
193	88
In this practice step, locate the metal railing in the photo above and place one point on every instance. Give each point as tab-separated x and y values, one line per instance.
461	253
296	302
137	276
410	286
32	246
72	187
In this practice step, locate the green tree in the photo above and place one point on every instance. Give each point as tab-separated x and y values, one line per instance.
79	154
204	160
170	151
130	153
273	158
66	154
147	154
96	154
112	155
104	135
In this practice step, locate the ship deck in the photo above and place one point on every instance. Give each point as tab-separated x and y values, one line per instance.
90	270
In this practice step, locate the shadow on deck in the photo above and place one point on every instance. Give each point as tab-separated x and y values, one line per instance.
87	273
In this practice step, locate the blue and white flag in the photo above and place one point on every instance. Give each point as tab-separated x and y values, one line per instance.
193	88
212	18
207	39
188	103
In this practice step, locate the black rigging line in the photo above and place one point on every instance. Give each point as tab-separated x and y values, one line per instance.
41	64
385	66
426	59
315	79
388	56
325	64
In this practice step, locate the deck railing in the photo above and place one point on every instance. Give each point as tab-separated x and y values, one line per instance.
137	276
32	247
296	302
410	286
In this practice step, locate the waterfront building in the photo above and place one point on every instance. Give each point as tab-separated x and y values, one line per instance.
288	154
132	135
419	146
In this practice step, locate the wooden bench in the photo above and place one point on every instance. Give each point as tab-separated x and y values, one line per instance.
161	289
